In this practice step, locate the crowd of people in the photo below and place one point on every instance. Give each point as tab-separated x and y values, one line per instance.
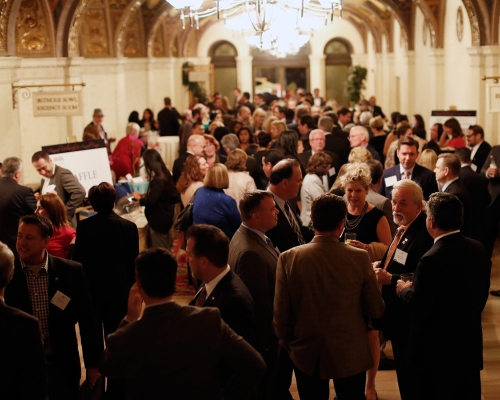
318	234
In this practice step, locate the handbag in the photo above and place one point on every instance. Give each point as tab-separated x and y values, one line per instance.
185	218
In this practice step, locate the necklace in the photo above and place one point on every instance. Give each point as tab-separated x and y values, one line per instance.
352	224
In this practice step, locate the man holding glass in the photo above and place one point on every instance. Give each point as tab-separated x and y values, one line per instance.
445	303
410	243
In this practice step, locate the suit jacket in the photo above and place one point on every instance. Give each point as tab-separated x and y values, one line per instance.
384	205
415	242
69	190
235	304
320	307
254	261
481	155
174	352
69	278
283	236
107	246
458	189
374	152
179	166
449	291
22	370
306	156
421	175
377	110
494	185
169	122
339	146
477	187
15	201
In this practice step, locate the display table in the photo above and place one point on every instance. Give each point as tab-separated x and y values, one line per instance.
169	149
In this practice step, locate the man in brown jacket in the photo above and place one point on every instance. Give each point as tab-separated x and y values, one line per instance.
325	290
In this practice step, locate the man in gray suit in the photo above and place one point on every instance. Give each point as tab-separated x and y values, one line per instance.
253	257
375	198
174	351
324	290
60	180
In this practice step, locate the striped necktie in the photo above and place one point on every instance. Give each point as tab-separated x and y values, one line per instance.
200	300
293	222
394	245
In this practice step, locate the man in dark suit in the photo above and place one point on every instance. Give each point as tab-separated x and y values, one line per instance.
62	299
447	173
333	142
359	137
376	110
409	244
60	180
195	146
253	258
174	351
477	187
207	251
408	169
480	149
15	201
168	119
284	184
106	246
451	284
22	370
305	125
317	142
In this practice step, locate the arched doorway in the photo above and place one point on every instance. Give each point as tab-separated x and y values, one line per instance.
223	56
337	62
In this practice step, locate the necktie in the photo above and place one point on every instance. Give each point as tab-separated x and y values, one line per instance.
200	300
270	244
293	223
394	245
407	175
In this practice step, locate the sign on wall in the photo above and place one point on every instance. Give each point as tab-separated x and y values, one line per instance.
493	98
88	161
465	118
57	104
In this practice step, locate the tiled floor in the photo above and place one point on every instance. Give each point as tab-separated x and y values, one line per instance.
387	387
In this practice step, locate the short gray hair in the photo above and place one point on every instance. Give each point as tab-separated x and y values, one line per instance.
365	118
10	166
230	141
362	130
418	194
315	131
133	127
326	123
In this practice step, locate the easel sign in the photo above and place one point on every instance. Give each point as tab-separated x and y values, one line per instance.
88	161
493	98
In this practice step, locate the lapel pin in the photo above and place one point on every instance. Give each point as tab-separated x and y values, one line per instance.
405	240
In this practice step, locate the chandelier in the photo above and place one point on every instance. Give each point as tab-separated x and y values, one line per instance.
280	27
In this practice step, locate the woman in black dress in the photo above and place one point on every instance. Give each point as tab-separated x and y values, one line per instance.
159	200
370	225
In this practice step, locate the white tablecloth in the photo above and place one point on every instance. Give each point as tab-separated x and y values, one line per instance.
169	149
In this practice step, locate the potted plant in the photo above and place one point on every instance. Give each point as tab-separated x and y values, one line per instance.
355	83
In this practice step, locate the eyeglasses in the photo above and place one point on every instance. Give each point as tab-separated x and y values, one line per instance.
469	136
353	136
317	140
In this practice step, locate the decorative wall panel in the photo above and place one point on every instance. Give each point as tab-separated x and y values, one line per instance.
94	33
133	39
34	33
158	43
4	20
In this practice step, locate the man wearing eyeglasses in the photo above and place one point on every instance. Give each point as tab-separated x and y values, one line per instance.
479	148
359	137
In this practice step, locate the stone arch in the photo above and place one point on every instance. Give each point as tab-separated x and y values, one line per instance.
495	23
374	24
479	21
34	35
436	31
63	27
127	21
215	45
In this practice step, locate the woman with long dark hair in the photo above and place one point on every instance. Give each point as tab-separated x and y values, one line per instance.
159	200
148	120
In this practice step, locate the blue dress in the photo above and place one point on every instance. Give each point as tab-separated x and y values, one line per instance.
214	207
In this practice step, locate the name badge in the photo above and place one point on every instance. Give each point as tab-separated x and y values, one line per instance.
473	167
390	181
51	188
60	300
331	172
400	256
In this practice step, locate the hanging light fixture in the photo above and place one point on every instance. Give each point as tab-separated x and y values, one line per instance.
273	25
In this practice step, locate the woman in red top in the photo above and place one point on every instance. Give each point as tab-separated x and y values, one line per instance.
127	153
452	134
51	206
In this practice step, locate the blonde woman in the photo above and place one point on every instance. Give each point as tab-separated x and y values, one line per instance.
240	182
428	159
276	128
360	155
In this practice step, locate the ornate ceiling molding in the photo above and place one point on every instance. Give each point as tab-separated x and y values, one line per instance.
495	23
474	22
430	9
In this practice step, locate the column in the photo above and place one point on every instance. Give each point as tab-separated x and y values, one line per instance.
389	95
436	80
317	73
489	120
379	79
408	84
244	73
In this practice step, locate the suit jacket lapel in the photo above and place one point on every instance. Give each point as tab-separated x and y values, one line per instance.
53	279
21	289
259	240
214	296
